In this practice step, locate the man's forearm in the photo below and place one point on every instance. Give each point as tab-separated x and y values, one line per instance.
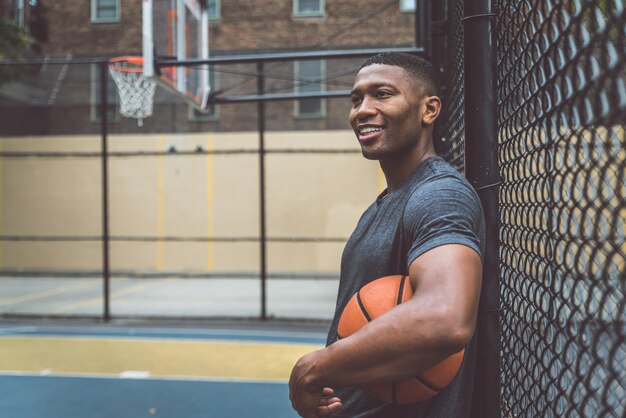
401	343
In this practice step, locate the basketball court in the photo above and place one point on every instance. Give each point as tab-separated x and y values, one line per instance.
83	369
186	363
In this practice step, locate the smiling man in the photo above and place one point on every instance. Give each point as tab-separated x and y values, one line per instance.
427	224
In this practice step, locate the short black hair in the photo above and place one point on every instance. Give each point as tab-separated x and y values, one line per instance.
418	68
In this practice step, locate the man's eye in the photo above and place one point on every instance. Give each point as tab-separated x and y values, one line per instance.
355	100
383	93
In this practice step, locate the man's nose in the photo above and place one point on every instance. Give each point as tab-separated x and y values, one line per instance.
365	109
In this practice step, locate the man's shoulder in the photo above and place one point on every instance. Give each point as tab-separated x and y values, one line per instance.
440	168
438	177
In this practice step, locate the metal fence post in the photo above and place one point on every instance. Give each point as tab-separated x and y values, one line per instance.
263	237
422	26
104	104
438	53
481	164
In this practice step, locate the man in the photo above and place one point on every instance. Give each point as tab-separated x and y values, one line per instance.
427	223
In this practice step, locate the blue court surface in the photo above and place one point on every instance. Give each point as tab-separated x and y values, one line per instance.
93	371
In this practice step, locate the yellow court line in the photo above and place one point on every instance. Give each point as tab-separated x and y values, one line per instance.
233	360
210	202
160	211
128	291
46	293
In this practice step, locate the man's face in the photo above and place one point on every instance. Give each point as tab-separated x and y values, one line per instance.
386	112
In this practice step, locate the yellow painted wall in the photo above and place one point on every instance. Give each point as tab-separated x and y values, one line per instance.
308	195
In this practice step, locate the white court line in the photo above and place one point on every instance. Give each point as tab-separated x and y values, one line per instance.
134	374
148	332
126	338
116	376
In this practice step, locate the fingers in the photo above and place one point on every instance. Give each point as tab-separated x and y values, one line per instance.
328	403
320	404
326	410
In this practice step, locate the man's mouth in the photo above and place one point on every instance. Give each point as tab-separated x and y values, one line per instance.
369	132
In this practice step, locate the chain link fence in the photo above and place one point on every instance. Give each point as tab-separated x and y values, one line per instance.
561	83
562	103
451	130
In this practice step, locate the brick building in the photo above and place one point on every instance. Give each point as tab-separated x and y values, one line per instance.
66	98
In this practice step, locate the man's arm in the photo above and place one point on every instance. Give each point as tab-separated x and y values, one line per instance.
435	323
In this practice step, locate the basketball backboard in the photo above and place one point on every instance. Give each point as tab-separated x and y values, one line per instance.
177	29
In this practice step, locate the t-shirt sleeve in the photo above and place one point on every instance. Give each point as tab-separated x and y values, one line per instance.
440	212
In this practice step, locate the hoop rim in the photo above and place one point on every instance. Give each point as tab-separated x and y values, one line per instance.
136	63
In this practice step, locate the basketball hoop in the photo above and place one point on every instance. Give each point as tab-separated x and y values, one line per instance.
136	90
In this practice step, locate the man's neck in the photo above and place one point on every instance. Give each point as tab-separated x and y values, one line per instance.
398	170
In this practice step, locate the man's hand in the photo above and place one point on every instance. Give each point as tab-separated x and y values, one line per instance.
308	398
328	403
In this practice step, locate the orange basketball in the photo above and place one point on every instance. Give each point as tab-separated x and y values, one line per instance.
373	300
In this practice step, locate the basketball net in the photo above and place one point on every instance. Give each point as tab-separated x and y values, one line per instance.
136	91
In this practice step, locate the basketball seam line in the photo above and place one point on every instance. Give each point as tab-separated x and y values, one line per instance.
427	384
394	386
358	299
401	290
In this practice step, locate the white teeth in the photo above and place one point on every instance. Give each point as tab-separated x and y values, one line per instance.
369	130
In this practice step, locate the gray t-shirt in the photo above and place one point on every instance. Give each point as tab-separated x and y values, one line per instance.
435	206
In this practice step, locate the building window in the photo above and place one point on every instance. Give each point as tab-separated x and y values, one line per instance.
309	78
105	11
308	7
214	9
96	98
212	113
407	6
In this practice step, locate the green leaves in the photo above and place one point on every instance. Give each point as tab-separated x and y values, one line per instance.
13	41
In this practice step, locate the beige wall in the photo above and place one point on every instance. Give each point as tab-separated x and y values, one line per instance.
308	195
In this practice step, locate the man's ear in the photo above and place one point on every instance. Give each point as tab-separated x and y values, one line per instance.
433	107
